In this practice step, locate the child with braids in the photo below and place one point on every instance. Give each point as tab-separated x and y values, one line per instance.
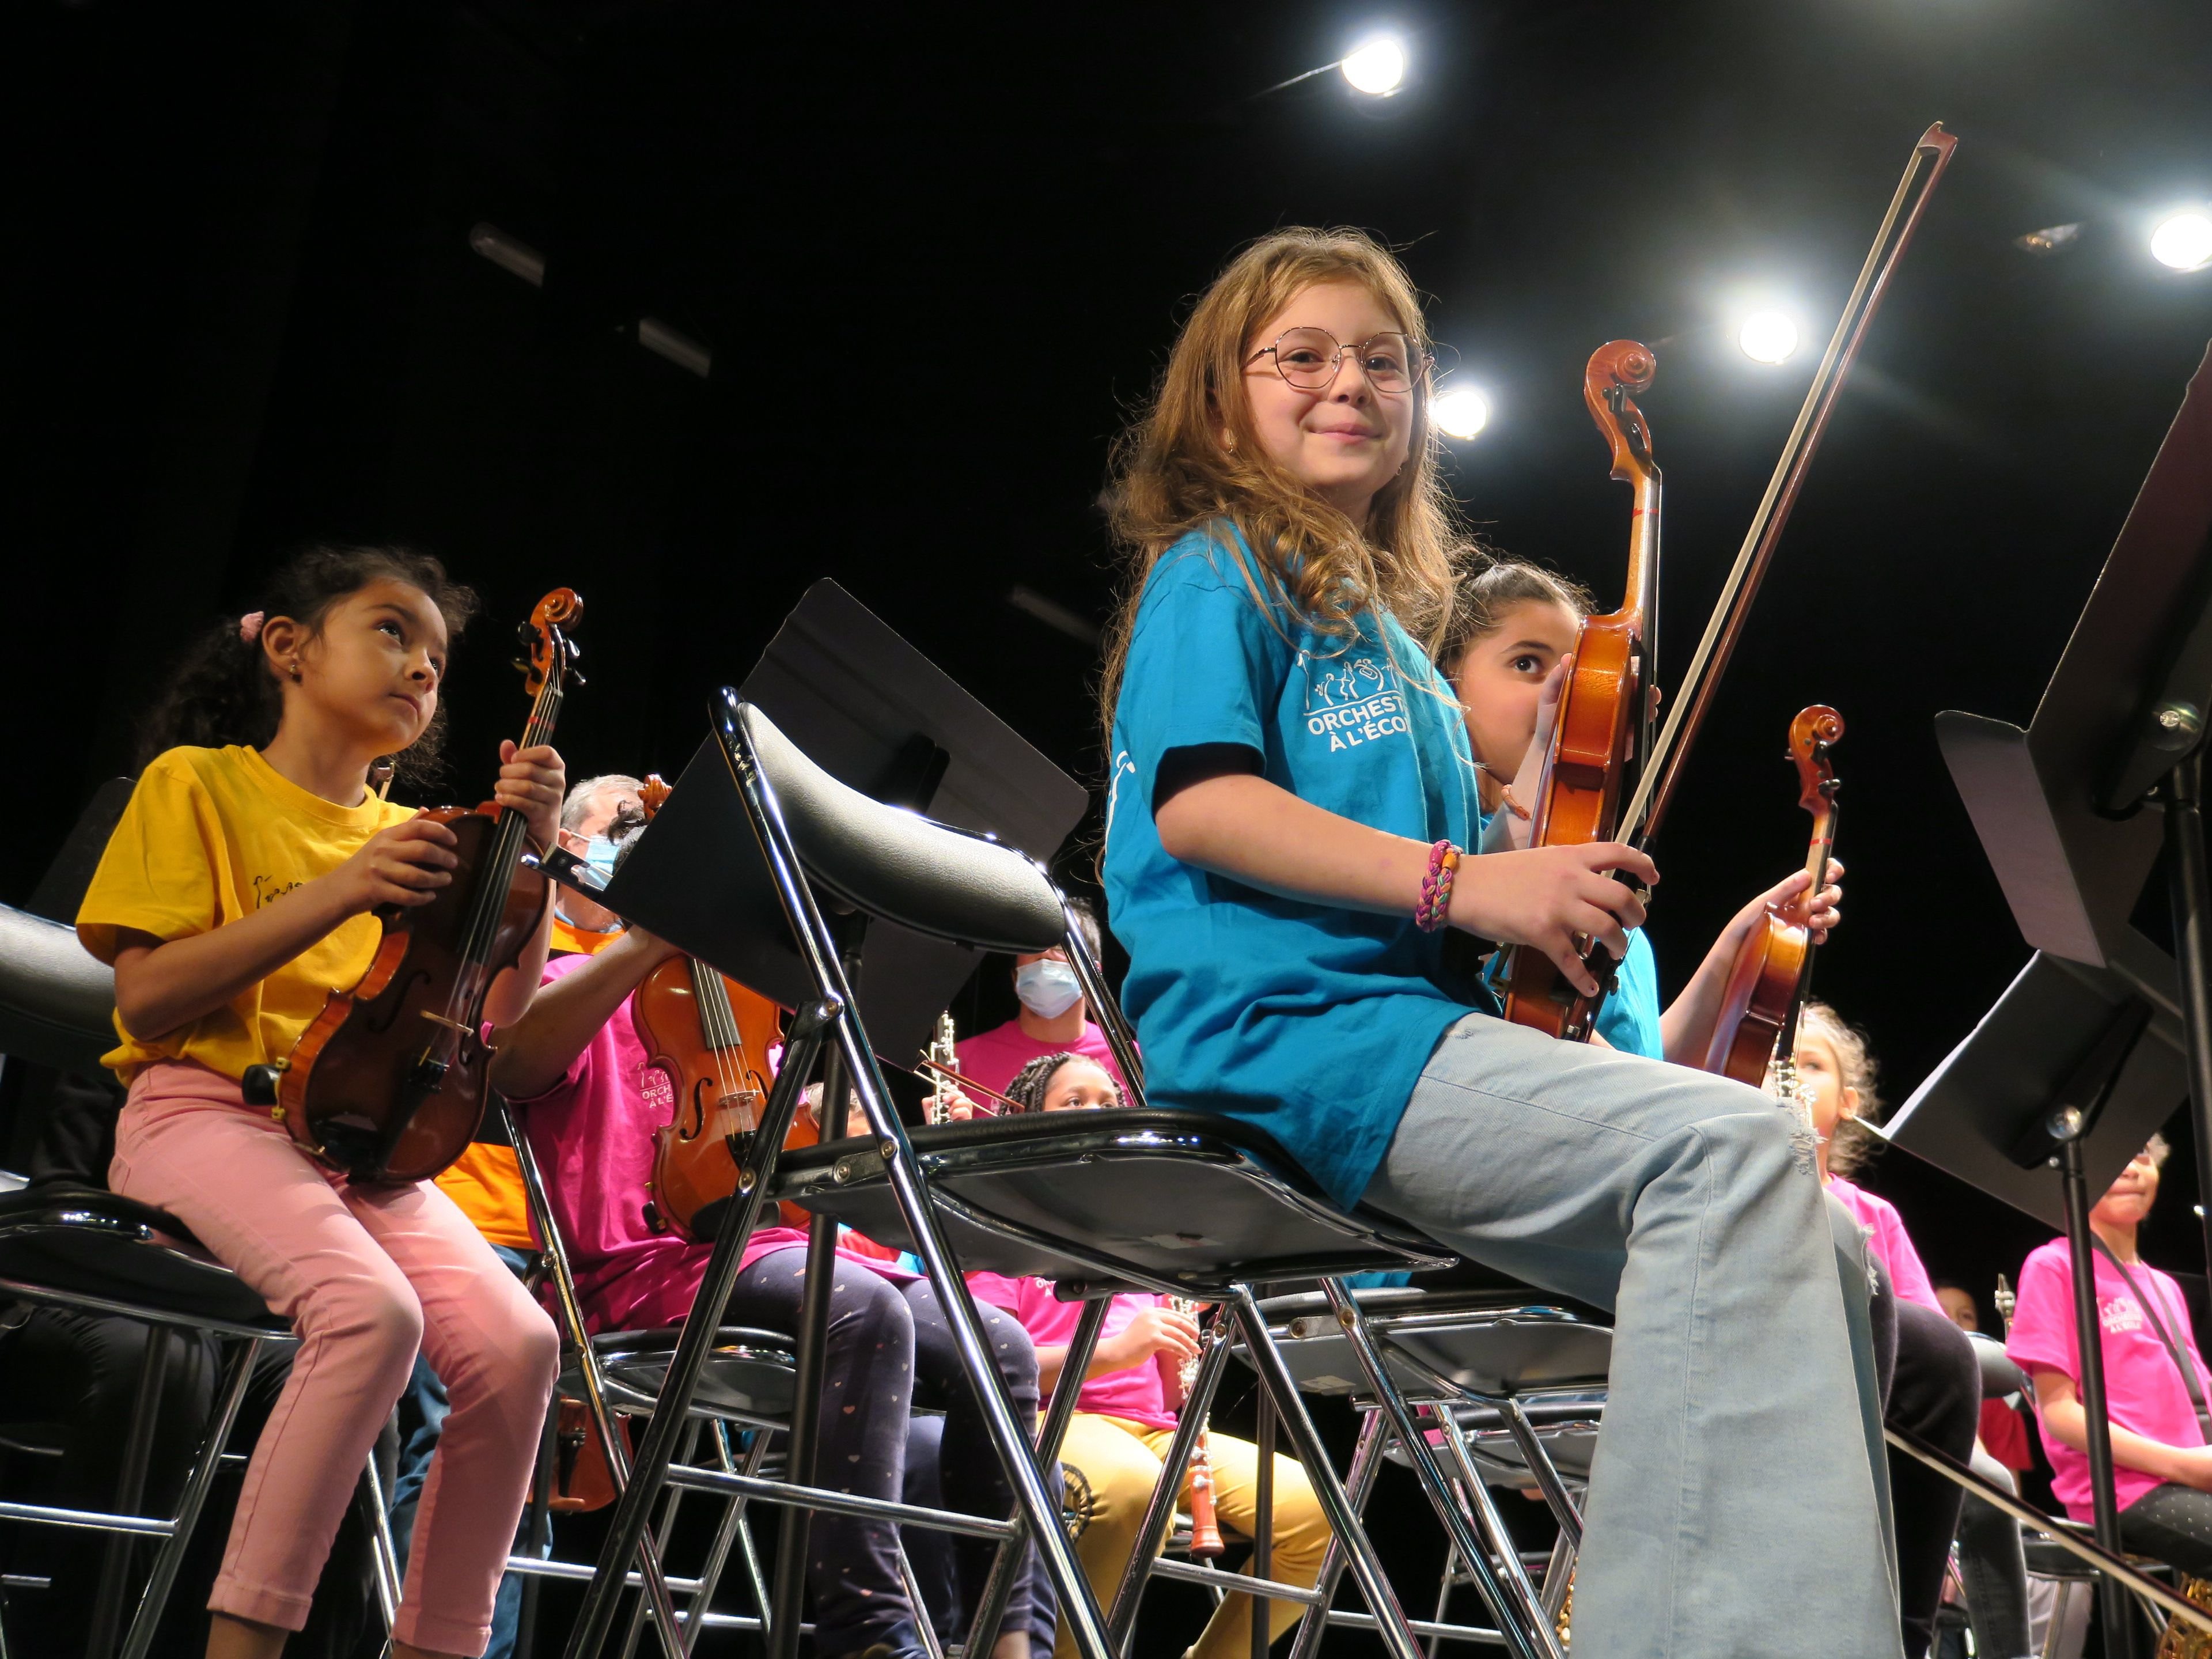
237	892
1127	1412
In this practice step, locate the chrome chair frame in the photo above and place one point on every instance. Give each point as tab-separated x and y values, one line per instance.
1032	919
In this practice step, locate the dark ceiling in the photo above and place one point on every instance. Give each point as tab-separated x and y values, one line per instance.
938	254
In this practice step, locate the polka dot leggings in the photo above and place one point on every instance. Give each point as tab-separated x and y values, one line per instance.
890	1351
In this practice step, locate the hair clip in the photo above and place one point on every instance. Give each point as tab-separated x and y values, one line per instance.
249	626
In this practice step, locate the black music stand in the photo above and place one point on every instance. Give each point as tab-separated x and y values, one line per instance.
878	715
2121	727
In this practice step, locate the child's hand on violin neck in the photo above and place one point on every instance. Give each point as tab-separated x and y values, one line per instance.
405	864
532	781
1787	897
1552	897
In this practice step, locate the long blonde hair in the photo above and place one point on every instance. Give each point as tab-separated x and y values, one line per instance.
1195	457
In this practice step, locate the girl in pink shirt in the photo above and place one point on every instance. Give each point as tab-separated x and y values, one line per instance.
1126	1414
576	1068
1931	1381
2162	1467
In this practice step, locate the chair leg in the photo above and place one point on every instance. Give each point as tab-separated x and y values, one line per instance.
541	1530
732	1528
1343	1519
1159	1512
643	1605
171	1555
627	1532
1006	1565
1366	1464
1559	1577
384	1557
1561	1502
1261	1566
1524	1638
130	1491
1481	1509
912	1585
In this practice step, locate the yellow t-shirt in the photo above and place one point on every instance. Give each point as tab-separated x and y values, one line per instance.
210	836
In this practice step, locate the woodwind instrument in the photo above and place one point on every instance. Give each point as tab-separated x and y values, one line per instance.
1205	1529
944	1066
2005	1301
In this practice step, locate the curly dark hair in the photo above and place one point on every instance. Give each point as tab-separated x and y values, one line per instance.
1027	1090
222	691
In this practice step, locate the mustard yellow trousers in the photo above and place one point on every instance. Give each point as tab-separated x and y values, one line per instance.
1112	1466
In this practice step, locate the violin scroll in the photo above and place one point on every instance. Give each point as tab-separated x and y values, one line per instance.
1812	734
1618	373
655	790
552	653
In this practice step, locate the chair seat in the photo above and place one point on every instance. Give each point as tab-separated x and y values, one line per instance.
87	1240
1488	1342
1191	1198
748	1372
1566	1420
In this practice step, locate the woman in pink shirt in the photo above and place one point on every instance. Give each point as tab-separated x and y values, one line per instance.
1126	1415
1054	1019
1931	1384
576	1069
2162	1467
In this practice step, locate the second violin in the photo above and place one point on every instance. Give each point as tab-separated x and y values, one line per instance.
710	1037
1773	971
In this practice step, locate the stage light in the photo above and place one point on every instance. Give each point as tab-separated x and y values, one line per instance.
1768	336
1376	67
2183	240
1460	412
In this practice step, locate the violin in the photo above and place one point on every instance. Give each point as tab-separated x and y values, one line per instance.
709	1036
1584	771
1604	717
1772	974
389	1082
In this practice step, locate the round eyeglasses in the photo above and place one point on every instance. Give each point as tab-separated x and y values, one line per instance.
1310	359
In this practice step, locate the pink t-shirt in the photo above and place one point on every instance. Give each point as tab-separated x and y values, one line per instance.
2143	1389
592	1133
1137	1395
1887	1241
993	1057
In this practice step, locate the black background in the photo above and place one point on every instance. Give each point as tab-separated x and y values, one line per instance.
939	253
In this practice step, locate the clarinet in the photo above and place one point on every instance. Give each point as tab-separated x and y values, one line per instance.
1205	1530
2005	1301
937	1108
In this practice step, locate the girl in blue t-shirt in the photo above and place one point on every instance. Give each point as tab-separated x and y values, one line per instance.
1506	649
1292	789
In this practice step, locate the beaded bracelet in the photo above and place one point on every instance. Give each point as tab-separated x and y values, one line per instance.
1435	887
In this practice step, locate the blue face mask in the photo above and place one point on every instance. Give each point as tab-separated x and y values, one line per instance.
599	854
1048	988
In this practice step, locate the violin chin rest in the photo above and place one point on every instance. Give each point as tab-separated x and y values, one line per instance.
259	1086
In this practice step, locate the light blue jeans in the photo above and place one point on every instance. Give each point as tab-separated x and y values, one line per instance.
1737	1507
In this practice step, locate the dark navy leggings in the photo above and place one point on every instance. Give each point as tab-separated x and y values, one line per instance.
890	1351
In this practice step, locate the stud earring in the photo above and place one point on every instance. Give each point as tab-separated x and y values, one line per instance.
293	669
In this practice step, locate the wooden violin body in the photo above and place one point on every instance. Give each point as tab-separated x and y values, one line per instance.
1772	972
389	1082
710	1037
350	1082
1605	706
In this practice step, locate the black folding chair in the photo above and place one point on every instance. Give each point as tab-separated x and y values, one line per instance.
87	1248
1186	1203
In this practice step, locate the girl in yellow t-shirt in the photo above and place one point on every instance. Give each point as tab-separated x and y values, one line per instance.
235	893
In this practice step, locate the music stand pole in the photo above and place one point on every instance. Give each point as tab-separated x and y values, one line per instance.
2190	880
2067	1128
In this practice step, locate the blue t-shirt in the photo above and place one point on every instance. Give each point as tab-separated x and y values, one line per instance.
1629	1018
1309	1020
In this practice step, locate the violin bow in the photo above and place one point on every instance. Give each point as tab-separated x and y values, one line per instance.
1655	780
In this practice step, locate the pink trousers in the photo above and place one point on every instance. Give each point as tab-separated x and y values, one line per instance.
367	1275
